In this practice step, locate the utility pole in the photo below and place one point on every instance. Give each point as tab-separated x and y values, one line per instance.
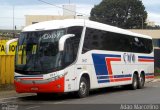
13	22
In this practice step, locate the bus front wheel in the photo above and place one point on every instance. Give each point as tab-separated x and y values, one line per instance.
83	88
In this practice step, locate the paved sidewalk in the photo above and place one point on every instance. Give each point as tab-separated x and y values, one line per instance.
156	80
7	93
4	87
12	94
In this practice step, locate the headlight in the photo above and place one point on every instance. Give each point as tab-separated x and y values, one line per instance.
17	79
58	77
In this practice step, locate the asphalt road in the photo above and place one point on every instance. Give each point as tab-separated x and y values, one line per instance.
101	98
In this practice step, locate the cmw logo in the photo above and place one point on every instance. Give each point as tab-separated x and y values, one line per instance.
47	36
129	58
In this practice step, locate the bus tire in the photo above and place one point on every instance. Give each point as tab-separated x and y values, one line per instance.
134	84
141	81
83	88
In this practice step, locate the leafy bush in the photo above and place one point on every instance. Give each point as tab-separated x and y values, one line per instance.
157	72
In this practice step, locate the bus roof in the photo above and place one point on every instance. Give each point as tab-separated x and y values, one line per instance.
57	24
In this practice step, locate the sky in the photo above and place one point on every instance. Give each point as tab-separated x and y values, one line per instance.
35	7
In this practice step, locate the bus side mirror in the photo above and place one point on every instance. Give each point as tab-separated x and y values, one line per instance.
63	39
8	43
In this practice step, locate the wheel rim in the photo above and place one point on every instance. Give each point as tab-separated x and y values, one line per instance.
141	81
135	82
83	87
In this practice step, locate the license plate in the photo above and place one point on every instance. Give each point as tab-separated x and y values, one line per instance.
34	88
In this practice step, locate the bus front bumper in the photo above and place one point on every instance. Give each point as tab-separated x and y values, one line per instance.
55	86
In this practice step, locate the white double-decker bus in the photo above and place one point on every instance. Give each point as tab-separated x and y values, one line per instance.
76	55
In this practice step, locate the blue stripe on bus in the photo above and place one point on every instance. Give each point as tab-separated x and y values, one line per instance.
103	81
102	77
100	66
122	76
114	76
145	57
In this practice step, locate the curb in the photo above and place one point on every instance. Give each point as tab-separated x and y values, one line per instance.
6	87
156	80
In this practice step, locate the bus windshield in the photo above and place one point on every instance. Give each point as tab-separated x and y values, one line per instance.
37	52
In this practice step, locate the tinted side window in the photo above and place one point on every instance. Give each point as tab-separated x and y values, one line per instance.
115	42
141	45
71	45
93	39
103	40
68	53
148	45
77	30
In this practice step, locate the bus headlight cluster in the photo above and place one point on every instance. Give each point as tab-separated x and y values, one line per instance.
17	79
57	77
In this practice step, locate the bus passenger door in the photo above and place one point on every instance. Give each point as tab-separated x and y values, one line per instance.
68	62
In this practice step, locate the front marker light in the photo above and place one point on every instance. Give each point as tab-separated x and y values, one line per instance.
18	79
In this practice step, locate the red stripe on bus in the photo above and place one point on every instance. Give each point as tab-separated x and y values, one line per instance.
149	77
122	79
144	60
108	63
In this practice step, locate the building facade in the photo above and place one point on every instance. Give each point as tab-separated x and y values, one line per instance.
69	12
32	19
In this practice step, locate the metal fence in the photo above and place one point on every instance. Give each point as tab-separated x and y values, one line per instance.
7	63
6	69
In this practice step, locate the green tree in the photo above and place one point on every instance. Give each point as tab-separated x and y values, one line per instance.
126	14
